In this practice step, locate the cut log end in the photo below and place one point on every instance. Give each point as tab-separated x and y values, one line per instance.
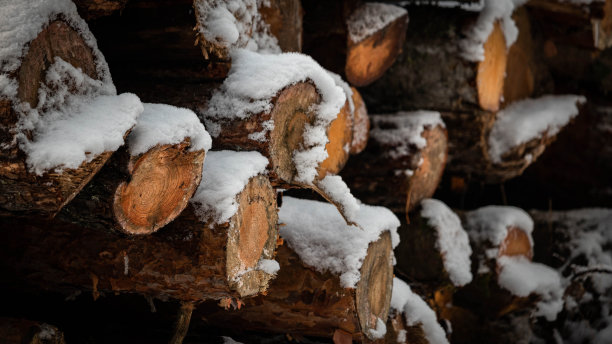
424	182
340	135
367	60
161	184
21	331
361	124
252	237
516	243
373	293
492	71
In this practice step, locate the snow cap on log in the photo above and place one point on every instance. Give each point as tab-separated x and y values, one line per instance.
472	47
492	224
416	312
452	240
255	79
530	119
371	18
320	236
162	124
225	175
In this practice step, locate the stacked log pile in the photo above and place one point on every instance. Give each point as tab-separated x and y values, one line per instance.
268	168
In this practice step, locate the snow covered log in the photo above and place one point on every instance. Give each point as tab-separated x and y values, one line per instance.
452	60
60	115
22	331
361	124
498	147
403	162
147	184
434	234
344	284
586	24
357	40
221	246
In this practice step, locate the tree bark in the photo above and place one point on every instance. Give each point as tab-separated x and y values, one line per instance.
21	191
139	194
21	331
190	260
302	301
285	21
397	181
93	9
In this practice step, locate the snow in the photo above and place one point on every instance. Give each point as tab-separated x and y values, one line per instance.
529	119
472	47
269	266
254	79
416	311
337	190
452	240
348	92
370	18
235	24
319	235
403	130
522	277
491	223
229	340
224	175
162	124
380	330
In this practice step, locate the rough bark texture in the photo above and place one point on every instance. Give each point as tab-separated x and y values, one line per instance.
139	194
92	9
375	177
368	59
302	301
284	17
361	124
583	25
21	331
397	329
23	192
189	260
431	74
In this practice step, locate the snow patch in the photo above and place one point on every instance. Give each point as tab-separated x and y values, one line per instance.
319	235
224	175
491	223
529	119
452	240
380	330
337	190
269	266
370	18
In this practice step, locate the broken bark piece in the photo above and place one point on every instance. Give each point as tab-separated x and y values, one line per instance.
403	162
376	34
21	331
148	184
61	118
586	24
361	124
190	260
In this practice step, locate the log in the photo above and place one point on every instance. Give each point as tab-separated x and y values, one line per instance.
587	25
403	162
190	260
433	72
303	301
361	124
363	56
39	172
284	19
22	331
147	184
93	9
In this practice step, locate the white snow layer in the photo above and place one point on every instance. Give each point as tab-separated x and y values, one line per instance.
417	312
76	117
254	79
320	236
472	47
162	124
337	190
348	92
269	266
224	175
528	119
380	330
229	340
491	223
235	24
522	277
406	131
370	18
452	240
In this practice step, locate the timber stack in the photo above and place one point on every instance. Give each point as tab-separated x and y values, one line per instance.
304	171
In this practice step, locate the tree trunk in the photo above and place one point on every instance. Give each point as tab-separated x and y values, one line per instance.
139	194
21	331
190	260
302	301
398	174
431	74
21	191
